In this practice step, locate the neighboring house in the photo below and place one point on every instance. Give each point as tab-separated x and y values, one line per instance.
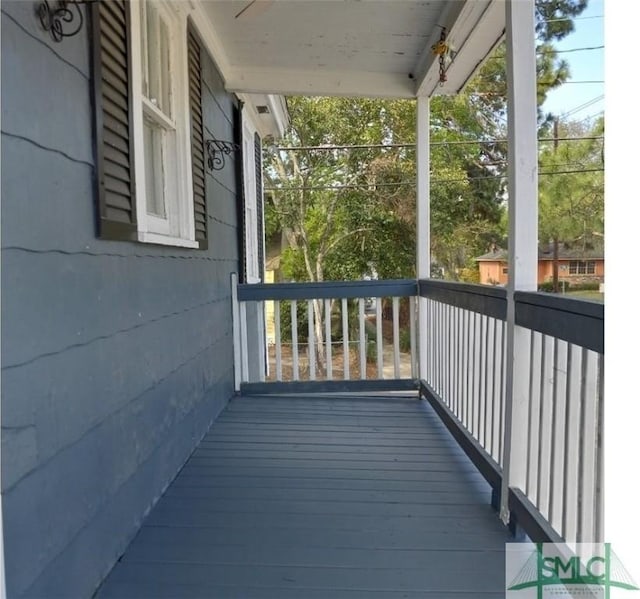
577	263
120	233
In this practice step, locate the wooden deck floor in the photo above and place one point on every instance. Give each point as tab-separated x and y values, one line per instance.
320	497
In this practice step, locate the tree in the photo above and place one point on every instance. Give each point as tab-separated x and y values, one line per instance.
349	212
571	188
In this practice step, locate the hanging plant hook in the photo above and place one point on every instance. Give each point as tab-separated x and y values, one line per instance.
217	150
61	19
440	49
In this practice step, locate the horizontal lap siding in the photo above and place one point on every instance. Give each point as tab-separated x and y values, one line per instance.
115	354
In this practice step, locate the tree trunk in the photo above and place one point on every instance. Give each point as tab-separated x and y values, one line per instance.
318	310
556	286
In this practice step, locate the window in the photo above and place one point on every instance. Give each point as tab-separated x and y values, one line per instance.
161	139
580	267
147	97
253	217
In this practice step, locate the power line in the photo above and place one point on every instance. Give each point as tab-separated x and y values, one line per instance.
411	183
568	50
583	106
573	18
575	82
327	148
554	51
550	83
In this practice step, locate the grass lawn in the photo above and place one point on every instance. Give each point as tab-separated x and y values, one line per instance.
595	296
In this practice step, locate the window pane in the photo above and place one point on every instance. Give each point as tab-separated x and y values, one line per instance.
152	52
145	49
154	169
165	73
158	60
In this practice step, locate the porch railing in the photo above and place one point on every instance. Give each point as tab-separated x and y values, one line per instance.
561	471
557	494
343	336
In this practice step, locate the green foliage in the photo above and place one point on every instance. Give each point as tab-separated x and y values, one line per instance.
302	320
368	224
587	286
571	201
554	17
405	340
547	286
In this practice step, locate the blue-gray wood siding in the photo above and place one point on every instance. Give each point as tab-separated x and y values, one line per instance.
115	355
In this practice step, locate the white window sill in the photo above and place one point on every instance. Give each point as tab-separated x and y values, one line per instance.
159	239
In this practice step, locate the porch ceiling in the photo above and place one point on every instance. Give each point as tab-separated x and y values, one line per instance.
376	48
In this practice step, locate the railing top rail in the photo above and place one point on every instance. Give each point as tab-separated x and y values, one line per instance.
327	290
484	299
577	321
428	286
581	307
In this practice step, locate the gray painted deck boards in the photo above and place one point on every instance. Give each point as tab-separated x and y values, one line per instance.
319	497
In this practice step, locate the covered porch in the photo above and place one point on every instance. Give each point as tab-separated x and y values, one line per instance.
355	485
401	474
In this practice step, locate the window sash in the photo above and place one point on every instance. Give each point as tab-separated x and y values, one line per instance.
155	152
157	84
175	225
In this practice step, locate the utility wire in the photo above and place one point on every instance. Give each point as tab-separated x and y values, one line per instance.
553	51
568	50
582	106
410	183
433	143
573	18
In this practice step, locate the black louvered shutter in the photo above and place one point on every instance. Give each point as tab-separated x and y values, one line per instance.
111	30
259	205
197	139
239	161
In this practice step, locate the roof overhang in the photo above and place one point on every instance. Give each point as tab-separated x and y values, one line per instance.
360	48
268	112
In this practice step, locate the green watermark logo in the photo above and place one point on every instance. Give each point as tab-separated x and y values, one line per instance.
547	570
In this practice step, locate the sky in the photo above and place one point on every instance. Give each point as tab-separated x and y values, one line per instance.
575	99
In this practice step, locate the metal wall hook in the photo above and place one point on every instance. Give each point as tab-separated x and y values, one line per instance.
217	151
63	18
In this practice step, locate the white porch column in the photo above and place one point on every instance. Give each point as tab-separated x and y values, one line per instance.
523	231
423	243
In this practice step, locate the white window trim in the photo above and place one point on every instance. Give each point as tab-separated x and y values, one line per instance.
179	227
250	202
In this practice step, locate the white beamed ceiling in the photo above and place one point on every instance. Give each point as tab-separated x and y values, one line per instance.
375	48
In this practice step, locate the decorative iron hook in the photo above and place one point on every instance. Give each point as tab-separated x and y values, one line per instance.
55	18
217	151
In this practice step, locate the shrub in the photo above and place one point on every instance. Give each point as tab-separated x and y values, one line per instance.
405	340
285	321
586	286
547	286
